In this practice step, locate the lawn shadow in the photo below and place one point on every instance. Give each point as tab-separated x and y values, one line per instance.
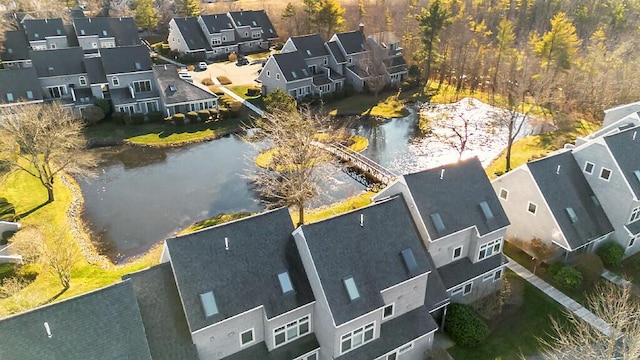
54	297
29	212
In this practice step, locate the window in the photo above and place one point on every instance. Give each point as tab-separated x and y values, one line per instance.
291	331
633	240
635	215
312	356
490	248
108	44
504	194
392	356
9	97
457	252
39	47
94	45
52	46
456	291
404	349
57	91
224	38
246	34
142	86
588	167
246	337
216	41
497	275
605	174
467	288
29	94
277	76
209	305
357	338
149	106
409	259
352	289
532	208
268	73
115	81
82	80
325	61
255	35
349	59
487	277
387	312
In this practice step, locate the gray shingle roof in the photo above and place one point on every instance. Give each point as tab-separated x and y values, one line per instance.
192	33
166	327
268	31
625	147
39	29
18	82
334	49
16	46
292	66
436	295
353	42
124	30
289	351
58	62
95	71
310	46
395	333
463	270
568	188
243	277
175	90
125	59
395	64
456	197
217	22
103	324
371	254
244	18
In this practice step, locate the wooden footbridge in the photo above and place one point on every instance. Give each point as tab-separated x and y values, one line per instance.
365	165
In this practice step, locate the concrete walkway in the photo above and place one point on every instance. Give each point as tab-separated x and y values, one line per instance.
573	306
246	103
618	280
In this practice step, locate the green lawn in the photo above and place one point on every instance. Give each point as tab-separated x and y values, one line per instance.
516	332
352	203
161	134
216	220
387	105
241	90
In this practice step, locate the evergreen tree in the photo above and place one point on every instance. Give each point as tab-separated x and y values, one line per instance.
557	47
431	22
146	15
190	8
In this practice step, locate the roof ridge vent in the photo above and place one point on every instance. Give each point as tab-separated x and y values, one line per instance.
48	329
361	220
226	243
442	174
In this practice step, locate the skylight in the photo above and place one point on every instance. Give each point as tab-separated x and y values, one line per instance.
104	32
352	289
172	88
81	31
138	66
595	200
409	259
209	305
637	174
254	24
304	72
572	215
293	73
308	52
285	282
437	222
486	210
58	32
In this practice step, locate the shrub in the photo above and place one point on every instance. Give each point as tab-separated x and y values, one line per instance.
137	119
7	210
223	80
554	268
253	91
568	277
126	118
224	113
465	326
192	116
235	106
611	254
178	119
216	90
207	81
233	57
155	116
590	266
214	114
203	115
118	117
104	105
191	67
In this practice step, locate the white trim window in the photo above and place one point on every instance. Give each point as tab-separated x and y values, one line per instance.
633	239
605	174
456	291
247	337
216	41
291	331
635	215
457	252
388	311
504	194
309	356
588	167
468	287
497	275
82	80
142	86
532	208
356	338
489	248
115	81
278	77
57	91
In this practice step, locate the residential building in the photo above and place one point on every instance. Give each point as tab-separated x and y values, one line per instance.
461	223
220	33
16	50
549	199
97	33
186	37
353	47
179	95
20	86
254	31
288	72
103	324
44	34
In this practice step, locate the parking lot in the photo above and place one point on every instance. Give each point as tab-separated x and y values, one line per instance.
239	75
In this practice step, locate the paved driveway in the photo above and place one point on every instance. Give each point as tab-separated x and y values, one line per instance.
239	75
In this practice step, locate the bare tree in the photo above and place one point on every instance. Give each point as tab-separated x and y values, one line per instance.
541	252
373	67
619	308
60	253
120	8
28	243
43	140
293	176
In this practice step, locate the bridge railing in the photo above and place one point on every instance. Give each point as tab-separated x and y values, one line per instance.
360	161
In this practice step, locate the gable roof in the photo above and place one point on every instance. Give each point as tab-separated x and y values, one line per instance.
334	49
18	82
246	275
563	186
216	22
39	29
353	42
124	30
310	46
292	66
95	71
370	254
175	90
125	59
103	324
161	311
625	147
268	31
58	62
244	18
456	197
16	46
192	33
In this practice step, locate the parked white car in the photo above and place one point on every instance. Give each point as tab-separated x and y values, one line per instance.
202	65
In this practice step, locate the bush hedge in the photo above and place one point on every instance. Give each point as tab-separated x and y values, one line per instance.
203	115
568	277
465	326
137	119
611	254
207	81
118	117
155	116
178	119
192	116
590	265
7	210
223	80
253	91
224	113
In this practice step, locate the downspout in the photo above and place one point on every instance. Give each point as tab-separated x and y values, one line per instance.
444	315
